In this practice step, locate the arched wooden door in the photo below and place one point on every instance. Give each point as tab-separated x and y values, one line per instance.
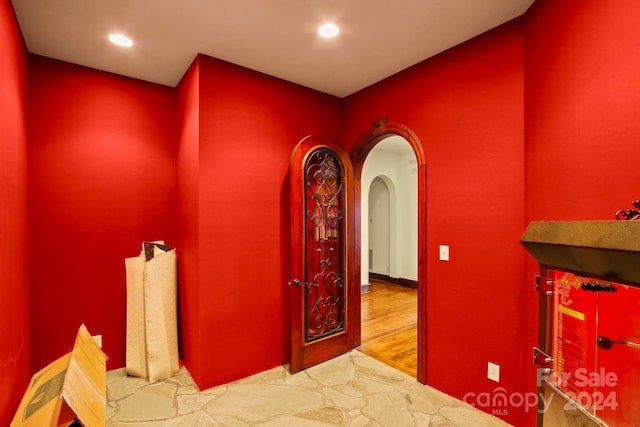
325	291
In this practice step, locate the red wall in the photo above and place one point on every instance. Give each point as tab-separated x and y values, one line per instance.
187	179
582	104
248	126
466	107
14	279
102	179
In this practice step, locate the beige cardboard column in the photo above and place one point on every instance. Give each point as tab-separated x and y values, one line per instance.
160	312
152	327
136	343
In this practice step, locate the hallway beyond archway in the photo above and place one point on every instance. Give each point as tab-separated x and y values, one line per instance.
363	146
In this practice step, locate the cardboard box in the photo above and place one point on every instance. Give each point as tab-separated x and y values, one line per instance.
152	322
74	387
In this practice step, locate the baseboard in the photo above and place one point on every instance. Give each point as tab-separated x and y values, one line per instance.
383	277
365	287
413	284
407	283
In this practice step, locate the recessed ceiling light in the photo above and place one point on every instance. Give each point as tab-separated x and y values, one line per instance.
328	30
120	40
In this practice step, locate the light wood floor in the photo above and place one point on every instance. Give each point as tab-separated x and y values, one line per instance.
389	325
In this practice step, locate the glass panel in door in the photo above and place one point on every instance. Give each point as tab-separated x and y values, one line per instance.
324	245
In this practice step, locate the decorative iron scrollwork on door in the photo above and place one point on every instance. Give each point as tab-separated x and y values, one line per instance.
324	245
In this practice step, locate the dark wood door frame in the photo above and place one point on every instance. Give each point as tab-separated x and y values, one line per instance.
380	130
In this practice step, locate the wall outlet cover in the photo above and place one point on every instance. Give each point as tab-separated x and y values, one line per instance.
98	340
493	372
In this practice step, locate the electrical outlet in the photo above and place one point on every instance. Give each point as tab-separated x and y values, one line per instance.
98	340
444	253
493	372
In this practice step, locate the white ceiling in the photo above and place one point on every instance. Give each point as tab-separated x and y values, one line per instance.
277	37
394	144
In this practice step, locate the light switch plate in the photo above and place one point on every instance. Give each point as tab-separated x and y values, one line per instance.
444	253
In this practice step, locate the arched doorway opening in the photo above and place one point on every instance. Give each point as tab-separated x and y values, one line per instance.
389	222
379	245
361	150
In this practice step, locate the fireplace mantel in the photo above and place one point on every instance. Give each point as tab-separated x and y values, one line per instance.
609	250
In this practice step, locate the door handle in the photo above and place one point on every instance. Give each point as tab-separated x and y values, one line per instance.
606	343
296	282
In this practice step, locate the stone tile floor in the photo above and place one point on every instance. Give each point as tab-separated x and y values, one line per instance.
351	390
